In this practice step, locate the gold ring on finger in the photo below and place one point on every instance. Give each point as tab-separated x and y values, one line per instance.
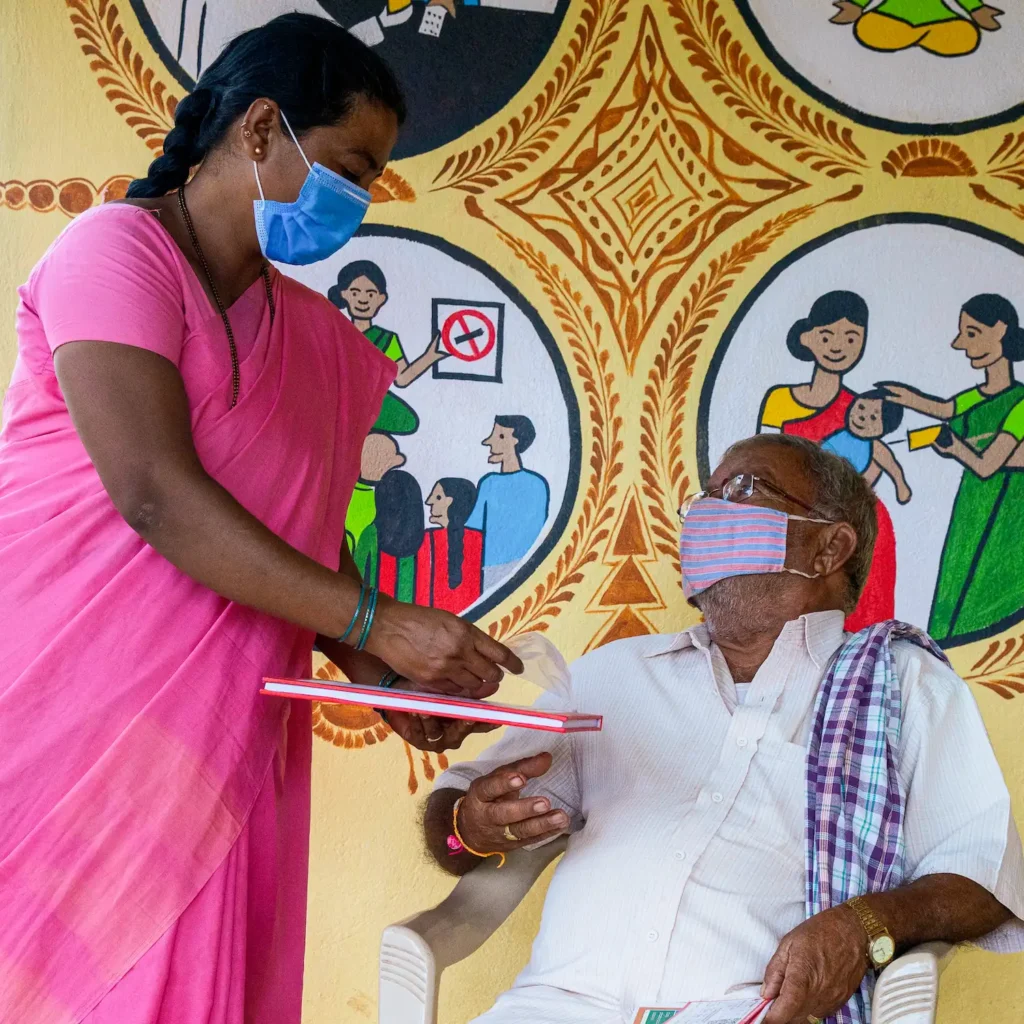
510	835
811	1019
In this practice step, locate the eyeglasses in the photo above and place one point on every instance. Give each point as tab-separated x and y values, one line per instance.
740	488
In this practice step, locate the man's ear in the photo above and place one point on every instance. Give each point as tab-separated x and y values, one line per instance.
836	547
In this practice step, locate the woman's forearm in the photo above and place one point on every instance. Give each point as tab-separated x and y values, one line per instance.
991	460
934	407
200	528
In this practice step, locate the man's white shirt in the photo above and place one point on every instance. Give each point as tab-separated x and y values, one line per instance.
686	866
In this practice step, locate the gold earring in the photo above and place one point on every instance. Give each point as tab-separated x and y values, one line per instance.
247	132
266	107
258	150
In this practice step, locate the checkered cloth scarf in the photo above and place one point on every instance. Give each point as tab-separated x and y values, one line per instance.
854	800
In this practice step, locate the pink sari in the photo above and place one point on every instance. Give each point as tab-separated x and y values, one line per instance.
154	847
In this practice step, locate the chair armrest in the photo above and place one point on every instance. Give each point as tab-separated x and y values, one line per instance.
414	952
907	991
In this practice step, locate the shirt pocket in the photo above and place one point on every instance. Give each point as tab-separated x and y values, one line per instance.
774	795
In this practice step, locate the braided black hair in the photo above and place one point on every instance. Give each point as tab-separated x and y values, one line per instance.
311	67
463	495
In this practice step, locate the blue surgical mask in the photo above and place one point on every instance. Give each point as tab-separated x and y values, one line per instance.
326	214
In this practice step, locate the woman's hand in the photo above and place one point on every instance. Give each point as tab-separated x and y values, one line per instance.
439	651
949	446
987	17
901	394
911	398
846	13
427	732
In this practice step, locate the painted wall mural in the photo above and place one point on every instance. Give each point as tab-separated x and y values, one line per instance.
617	236
903	65
460	61
907	376
471	470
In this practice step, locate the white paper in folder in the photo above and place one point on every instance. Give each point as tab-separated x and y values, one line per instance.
543	665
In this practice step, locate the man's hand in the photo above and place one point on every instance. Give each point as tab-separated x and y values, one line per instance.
493	804
847	12
816	968
987	17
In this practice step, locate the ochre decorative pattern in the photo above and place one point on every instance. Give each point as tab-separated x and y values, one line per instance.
628	590
752	94
70	196
664	476
582	334
982	193
353	728
636	199
138	95
928	158
392	187
1001	668
1007	162
529	135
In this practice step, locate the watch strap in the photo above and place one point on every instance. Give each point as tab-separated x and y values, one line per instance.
870	923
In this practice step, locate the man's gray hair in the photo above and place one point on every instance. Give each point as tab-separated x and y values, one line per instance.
842	495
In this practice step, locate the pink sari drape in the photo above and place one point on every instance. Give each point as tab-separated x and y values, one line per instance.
134	742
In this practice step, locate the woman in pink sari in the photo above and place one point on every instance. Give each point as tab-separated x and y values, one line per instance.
181	438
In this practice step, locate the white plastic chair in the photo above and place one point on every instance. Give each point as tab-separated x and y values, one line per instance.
413	953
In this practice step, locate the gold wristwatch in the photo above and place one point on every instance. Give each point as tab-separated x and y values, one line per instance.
881	944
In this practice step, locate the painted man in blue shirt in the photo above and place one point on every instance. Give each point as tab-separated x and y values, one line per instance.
512	504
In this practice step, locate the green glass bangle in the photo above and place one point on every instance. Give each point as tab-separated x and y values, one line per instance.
371	611
386	682
363	591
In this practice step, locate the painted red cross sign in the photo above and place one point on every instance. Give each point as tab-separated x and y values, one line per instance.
468	334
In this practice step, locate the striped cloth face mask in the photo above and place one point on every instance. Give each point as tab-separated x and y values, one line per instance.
723	538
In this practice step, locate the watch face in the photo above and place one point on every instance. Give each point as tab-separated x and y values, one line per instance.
882	949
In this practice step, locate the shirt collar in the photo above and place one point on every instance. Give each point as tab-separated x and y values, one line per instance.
820	634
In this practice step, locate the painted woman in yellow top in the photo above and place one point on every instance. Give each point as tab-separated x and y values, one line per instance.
930	24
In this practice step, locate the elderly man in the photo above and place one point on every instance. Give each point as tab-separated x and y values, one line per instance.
698	865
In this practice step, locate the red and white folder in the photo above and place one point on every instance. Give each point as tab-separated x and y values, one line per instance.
438	704
716	1011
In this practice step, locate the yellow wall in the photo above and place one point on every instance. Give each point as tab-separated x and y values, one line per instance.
638	392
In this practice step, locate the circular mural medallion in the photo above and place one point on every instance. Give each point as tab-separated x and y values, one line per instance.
471	471
892	342
459	61
913	66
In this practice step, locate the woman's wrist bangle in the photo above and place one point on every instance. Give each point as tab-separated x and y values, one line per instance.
355	615
386	682
371	612
462	842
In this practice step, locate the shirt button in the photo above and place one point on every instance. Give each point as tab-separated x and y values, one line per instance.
716	797
680	855
652	936
742	741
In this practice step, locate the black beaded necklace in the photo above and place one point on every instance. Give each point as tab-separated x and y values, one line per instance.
236	377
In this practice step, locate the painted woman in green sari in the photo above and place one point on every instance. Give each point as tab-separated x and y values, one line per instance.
386	551
362	291
980	587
